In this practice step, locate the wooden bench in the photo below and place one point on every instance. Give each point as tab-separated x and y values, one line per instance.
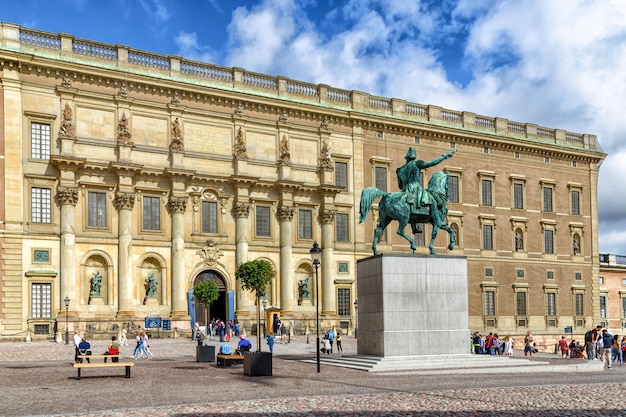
228	360
81	357
127	365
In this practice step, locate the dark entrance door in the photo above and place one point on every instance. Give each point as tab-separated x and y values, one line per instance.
218	309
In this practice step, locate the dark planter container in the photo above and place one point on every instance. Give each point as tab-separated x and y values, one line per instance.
257	363
205	353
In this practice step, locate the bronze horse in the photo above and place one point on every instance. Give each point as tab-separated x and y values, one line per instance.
394	206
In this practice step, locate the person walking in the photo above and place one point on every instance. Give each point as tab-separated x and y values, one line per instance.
529	347
563	347
605	350
146	346
270	342
591	341
124	338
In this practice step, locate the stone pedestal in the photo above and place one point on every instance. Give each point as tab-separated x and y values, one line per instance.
412	305
151	301
96	300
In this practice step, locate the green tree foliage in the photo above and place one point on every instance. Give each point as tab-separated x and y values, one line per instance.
255	276
206	292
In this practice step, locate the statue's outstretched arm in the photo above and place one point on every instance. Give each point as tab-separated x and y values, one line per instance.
438	160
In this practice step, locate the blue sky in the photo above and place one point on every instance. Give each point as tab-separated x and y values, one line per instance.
555	63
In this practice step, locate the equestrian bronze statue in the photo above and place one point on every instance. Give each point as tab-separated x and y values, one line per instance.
413	204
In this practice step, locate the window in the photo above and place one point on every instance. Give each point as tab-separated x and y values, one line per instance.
579	309
487	237
305	224
575	195
548	241
419	236
547	199
518	195
550	304
341	228
41	205
578	276
341	174
263	221
489	300
485	149
624	281
549	274
453	188
520	304
381	178
603	309
601	280
209	217
486	192
96	209
41	301
520	273
151	213
343	301
623	307
40	140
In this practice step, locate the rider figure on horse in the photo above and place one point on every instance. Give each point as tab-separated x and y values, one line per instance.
409	176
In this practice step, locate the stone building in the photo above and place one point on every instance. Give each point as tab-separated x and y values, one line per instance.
128	177
612	298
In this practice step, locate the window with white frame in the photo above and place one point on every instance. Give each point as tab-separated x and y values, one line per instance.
486	192
381	178
579	304
453	188
547	195
41	300
575	202
487	236
489	303
518	195
41	205
548	241
520	303
40	140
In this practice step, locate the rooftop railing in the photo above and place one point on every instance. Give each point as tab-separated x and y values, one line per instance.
28	40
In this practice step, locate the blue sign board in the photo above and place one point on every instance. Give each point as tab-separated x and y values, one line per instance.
167	325
568	330
152	322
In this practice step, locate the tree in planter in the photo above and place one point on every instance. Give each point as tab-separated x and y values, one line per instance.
205	293
254	276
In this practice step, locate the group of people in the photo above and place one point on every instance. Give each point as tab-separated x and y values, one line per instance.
83	348
602	345
330	338
218	328
492	344
244	345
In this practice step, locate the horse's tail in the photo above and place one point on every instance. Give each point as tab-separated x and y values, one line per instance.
368	195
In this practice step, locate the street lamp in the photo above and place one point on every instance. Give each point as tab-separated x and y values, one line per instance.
264	317
67	331
356	317
316	254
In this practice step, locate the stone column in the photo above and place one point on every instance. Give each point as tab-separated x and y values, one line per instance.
328	287
242	211
124	203
285	216
67	199
177	206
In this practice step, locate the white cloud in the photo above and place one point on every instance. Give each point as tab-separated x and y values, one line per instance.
156	9
189	47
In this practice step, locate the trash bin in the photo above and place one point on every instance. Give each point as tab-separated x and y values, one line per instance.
205	353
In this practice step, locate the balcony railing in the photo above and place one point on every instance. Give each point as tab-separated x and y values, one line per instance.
33	41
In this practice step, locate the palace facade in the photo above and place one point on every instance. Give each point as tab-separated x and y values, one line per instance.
129	177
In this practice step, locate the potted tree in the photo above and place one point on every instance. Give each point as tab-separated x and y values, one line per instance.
255	276
205	293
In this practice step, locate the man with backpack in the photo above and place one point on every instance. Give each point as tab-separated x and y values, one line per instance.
591	339
605	350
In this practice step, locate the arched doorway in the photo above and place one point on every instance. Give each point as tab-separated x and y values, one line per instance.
219	309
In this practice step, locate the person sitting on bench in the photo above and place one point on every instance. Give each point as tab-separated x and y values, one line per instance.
225	349
113	349
84	348
244	345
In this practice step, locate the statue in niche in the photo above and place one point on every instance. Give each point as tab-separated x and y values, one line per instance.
303	288
177	137
123	131
67	125
576	244
324	161
285	154
239	148
151	285
519	242
96	284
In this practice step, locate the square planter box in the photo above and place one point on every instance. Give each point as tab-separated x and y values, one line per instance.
205	353
257	363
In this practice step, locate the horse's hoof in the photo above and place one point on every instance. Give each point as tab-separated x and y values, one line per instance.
450	247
